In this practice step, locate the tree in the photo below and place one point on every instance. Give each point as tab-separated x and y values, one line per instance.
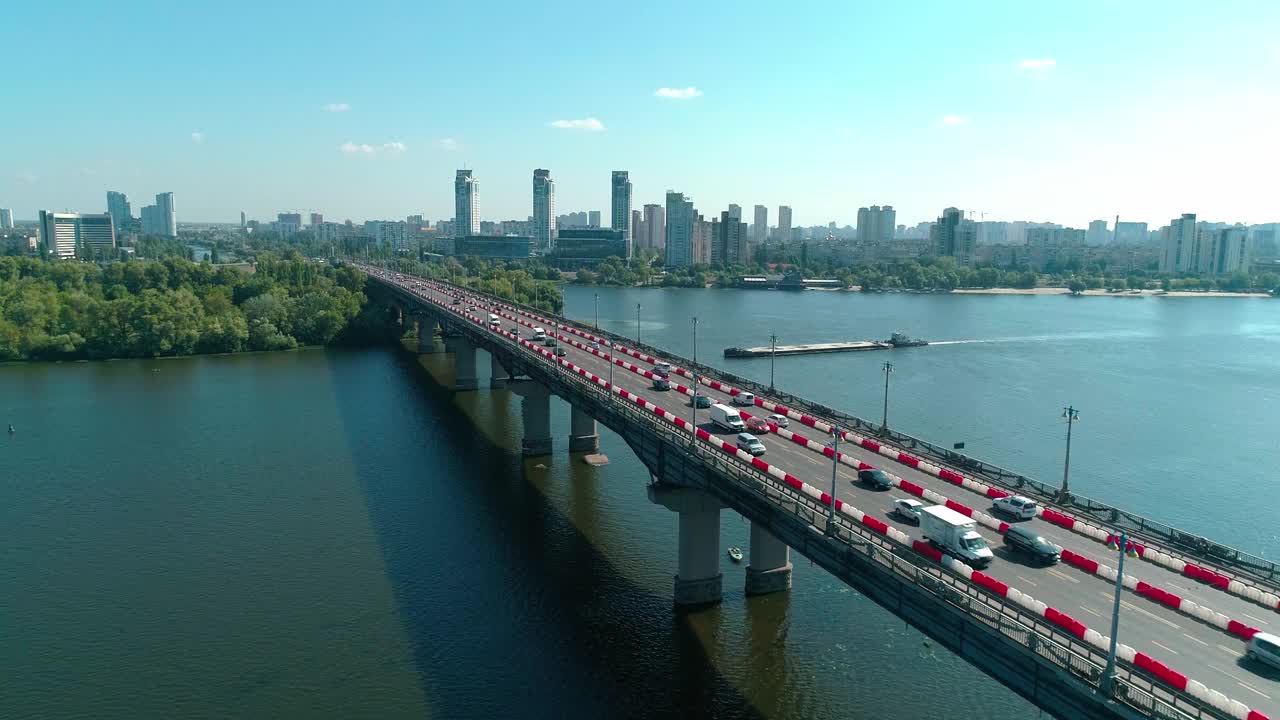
1076	286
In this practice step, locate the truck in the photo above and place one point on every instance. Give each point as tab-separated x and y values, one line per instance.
727	418
955	534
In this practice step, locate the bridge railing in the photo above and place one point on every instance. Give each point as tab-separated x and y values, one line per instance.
1261	570
1134	687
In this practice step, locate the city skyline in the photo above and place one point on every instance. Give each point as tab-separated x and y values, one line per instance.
1032	126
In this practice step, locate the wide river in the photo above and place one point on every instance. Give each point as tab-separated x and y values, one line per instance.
330	534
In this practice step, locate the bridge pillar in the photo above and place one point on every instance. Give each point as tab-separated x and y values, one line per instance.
426	335
769	566
582	432
464	362
498	375
535	410
699	579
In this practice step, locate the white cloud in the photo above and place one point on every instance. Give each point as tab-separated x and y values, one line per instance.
1042	64
337	107
590	124
197	137
390	148
954	120
678	93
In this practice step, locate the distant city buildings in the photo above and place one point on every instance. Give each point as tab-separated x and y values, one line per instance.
391	233
729	238
654	225
760	225
6	219
1098	233
784	223
1205	248
953	236
679	230
586	247
1180	245
593	218
316	219
160	219
67	235
544	210
288	223
494	247
118	207
876	223
1131	233
466	204
242	222
621	205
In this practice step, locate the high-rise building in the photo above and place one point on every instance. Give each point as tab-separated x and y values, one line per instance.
242	225
953	236
466	205
784	223
760	226
388	232
160	219
288	223
621	194
1232	251
703	234
544	211
118	206
876	223
64	234
1098	233
729	241
6	219
679	230
1180	245
1131	233
654	227
637	228
593	218
316	219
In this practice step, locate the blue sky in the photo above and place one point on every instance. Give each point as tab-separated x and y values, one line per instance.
365	110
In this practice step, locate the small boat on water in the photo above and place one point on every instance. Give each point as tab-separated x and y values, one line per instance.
11	430
735	554
899	340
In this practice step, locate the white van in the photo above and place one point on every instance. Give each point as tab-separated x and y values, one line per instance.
1264	647
539	334
744	399
727	418
494	320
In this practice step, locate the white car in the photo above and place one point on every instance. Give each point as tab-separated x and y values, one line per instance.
908	509
1264	647
779	420
750	443
662	368
744	399
1015	506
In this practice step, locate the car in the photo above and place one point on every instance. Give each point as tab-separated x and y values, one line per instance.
1264	647
701	401
661	383
561	352
1028	541
750	443
457	301
663	368
744	399
515	330
549	341
779	420
595	345
908	509
1015	506
757	425
876	478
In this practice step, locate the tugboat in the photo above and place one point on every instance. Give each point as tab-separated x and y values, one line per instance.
899	340
735	554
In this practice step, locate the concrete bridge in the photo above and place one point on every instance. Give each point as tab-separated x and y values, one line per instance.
1039	631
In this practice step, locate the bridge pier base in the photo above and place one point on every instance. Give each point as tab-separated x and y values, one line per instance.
464	362
535	411
769	568
426	335
583	436
498	375
698	582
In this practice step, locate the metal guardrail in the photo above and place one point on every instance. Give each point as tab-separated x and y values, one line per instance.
1260	570
1064	651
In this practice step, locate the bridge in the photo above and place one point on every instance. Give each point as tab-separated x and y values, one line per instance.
1188	608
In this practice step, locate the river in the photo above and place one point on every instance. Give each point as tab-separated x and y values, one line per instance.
328	533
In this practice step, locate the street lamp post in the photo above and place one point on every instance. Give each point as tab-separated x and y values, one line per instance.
773	354
609	344
597	312
637	324
835	466
888	370
1071	415
693	436
1109	674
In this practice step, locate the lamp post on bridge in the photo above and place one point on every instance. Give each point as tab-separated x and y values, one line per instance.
597	325
637	325
609	344
888	370
773	354
1109	674
835	467
1071	415
693	432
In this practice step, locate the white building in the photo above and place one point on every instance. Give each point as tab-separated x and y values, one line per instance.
1098	233
1180	245
679	230
544	211
388	232
784	223
621	205
6	219
466	205
760	226
876	223
62	234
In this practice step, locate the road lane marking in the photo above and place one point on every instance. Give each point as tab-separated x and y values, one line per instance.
1226	649
1257	620
1254	690
1093	612
1027	581
1057	574
1153	616
1162	647
1196	639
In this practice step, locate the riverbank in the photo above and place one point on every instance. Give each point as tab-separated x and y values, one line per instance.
1122	293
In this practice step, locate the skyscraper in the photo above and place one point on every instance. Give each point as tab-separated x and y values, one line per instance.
679	233
241	219
621	185
316	218
1180	245
160	219
6	219
637	229
654	226
118	206
466	205
729	239
64	234
876	223
784	223
544	211
760	225
953	236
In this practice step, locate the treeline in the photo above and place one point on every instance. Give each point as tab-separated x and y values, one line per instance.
530	282
77	310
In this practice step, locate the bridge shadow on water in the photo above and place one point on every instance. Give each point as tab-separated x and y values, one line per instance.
509	608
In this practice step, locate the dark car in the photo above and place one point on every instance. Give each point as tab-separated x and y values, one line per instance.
876	478
701	401
661	383
1026	540
561	352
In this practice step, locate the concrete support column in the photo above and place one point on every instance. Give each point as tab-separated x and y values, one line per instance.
464	362
698	580
582	432
535	411
426	335
498	375
769	566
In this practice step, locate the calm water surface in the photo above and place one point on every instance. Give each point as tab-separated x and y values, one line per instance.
329	534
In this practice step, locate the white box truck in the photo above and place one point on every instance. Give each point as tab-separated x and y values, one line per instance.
955	534
727	418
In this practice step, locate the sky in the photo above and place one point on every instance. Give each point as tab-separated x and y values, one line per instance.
1063	112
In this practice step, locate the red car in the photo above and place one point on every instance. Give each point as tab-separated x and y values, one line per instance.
757	425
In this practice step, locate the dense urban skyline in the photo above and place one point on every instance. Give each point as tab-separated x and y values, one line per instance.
1001	111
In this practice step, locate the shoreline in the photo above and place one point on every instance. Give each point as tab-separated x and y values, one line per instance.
1104	293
